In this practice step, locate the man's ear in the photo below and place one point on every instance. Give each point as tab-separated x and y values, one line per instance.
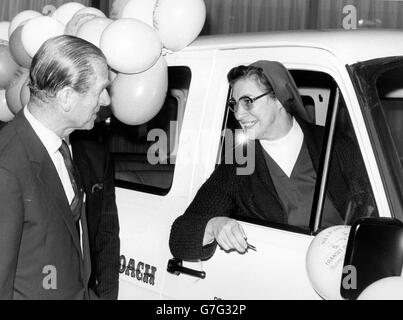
65	97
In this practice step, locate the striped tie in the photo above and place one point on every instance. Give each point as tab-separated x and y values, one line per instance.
77	202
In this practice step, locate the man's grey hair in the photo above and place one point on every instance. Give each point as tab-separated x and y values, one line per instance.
63	61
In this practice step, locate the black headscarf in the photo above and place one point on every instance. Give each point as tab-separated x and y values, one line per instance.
284	87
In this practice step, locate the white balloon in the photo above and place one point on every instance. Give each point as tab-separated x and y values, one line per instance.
139	9
36	31
325	259
76	22
8	67
5	114
17	49
48	10
25	94
390	288
13	91
4	26
92	30
66	11
116	8
91	10
137	98
130	45
179	22
21	17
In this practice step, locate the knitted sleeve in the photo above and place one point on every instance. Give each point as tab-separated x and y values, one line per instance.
214	198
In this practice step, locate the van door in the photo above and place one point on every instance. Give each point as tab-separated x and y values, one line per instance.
276	270
153	170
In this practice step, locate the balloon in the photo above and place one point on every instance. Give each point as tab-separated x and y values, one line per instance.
390	288
137	98
139	9
91	10
76	22
48	10
7	65
17	49
25	94
37	30
179	22
116	9
325	259
130	45
4	26
5	114
66	11
93	29
21	17
13	91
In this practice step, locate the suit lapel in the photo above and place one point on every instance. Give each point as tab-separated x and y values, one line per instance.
50	181
45	171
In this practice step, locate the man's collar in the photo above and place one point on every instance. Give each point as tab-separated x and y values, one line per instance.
50	140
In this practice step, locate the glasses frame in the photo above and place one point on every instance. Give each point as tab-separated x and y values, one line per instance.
235	108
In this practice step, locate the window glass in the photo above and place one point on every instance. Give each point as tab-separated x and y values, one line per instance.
390	92
349	194
144	155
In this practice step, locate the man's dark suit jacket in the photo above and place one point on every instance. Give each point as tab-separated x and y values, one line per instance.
37	231
97	175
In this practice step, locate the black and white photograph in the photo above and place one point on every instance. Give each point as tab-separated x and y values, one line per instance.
214	151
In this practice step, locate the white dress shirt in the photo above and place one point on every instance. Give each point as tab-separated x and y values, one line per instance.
285	151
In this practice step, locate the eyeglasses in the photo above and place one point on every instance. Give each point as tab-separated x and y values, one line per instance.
245	101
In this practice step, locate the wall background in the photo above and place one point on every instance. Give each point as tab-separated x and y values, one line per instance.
231	16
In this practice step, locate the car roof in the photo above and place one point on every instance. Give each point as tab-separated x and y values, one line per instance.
349	46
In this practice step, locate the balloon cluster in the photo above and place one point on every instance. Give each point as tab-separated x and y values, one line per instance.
132	39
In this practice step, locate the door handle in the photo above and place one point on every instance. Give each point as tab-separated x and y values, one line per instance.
175	267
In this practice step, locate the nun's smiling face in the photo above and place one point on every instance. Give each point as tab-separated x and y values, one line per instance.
259	120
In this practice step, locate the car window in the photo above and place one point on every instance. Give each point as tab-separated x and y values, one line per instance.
144	155
390	92
348	196
379	86
317	90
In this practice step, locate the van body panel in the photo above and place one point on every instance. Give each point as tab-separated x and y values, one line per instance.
277	269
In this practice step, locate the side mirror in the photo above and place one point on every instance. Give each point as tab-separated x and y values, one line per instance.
374	251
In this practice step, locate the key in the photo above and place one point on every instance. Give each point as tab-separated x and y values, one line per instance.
250	247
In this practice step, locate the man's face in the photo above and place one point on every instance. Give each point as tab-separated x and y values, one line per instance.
89	103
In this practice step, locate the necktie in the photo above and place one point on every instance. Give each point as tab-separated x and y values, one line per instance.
77	202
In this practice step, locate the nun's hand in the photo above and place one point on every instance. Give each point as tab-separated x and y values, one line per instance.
227	232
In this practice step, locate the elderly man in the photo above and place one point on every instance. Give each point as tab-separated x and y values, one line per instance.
44	242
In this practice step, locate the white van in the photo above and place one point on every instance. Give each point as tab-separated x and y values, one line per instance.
351	81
